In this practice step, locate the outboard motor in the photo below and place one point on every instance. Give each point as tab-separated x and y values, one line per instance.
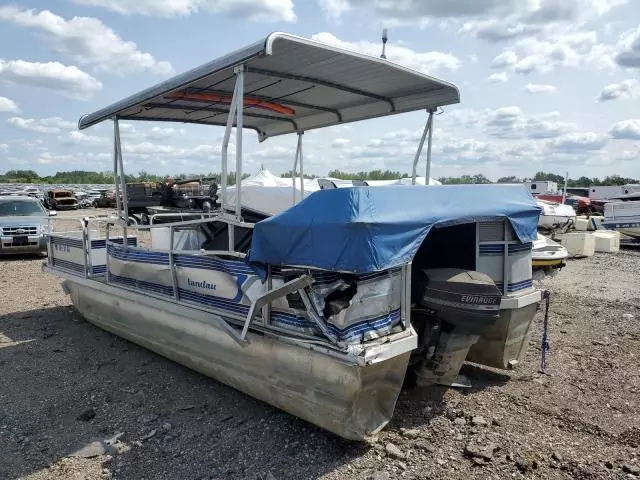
457	307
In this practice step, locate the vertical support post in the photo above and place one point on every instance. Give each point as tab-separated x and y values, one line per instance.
505	264
429	140
86	247
294	172
564	190
426	130
301	166
239	71
106	252
123	181
235	112
174	277
266	311
225	145
405	309
115	165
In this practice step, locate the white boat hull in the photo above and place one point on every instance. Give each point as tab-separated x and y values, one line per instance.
352	400
555	216
548	254
628	229
623	217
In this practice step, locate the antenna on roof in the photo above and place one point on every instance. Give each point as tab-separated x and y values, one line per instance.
384	43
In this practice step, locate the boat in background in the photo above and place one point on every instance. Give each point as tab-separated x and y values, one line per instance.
555	217
548	255
623	217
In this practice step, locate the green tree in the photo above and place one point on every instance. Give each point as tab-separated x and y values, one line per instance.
289	174
548	177
510	179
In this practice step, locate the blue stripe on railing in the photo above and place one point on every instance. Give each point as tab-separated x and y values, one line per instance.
209	263
142	285
70	242
498	248
131	241
67	265
135	254
376	324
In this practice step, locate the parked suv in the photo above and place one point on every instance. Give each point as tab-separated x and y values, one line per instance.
23	225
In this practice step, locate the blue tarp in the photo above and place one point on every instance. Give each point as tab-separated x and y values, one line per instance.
368	229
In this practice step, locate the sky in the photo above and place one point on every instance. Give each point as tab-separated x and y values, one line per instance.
550	85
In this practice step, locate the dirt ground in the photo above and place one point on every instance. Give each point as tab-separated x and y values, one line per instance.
79	403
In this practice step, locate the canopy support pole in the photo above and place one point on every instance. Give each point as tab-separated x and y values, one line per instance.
294	172
119	164
427	177
115	165
225	146
239	71
235	113
426	132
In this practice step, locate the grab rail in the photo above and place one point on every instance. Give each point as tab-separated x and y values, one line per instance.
273	294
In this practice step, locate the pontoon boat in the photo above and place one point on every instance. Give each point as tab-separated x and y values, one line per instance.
323	309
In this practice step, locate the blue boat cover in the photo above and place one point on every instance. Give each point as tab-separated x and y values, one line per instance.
368	229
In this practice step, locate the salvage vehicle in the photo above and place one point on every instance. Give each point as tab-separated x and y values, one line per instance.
60	199
106	199
325	309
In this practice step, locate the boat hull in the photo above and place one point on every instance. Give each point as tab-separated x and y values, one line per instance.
351	400
504	344
628	230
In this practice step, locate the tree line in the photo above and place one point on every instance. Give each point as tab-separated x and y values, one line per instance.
85	177
80	177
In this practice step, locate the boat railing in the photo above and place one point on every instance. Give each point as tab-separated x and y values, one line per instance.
81	249
162	269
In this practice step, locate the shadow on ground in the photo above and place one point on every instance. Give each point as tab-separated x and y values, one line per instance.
170	422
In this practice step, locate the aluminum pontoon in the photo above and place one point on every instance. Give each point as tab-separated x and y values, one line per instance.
325	308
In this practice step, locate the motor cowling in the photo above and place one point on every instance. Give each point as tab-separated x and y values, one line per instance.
456	307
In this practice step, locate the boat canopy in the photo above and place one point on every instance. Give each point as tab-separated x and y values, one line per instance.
291	84
369	229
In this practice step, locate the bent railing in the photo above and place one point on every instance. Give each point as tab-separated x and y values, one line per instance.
222	283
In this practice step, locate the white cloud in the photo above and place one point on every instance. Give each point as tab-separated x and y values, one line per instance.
512	123
66	80
421	61
540	17
625	89
334	8
7	105
78	138
42	125
259	10
340	142
148	148
628	55
504	60
540	88
164	132
532	55
4	147
490	20
575	142
94	161
502	77
88	41
626	130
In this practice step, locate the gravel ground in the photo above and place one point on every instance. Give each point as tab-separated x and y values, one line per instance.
79	403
